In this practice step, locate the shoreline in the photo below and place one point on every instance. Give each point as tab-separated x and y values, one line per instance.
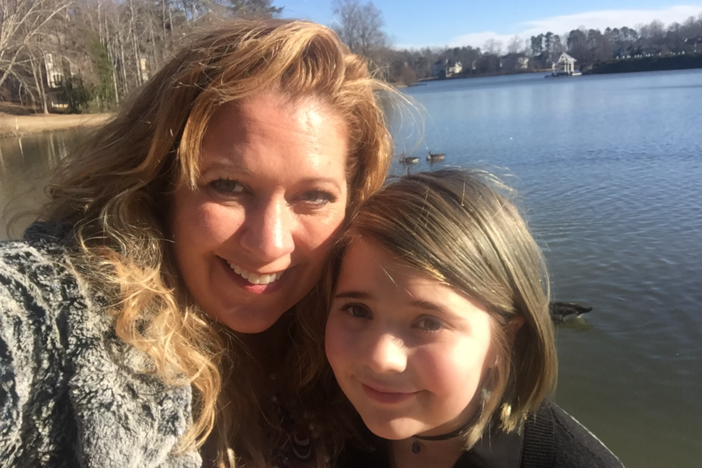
20	125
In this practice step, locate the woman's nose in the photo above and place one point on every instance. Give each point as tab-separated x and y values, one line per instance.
267	230
386	354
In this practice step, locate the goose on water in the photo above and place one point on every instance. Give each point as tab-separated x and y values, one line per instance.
431	157
562	311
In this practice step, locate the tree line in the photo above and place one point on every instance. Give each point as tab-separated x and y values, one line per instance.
88	55
360	26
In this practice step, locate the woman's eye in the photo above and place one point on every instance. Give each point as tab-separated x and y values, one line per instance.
226	186
430	324
317	197
357	310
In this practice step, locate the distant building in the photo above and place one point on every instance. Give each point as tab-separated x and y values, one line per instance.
54	74
514	62
143	71
565	65
446	68
622	53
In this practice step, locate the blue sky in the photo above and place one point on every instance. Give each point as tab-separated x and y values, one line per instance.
436	23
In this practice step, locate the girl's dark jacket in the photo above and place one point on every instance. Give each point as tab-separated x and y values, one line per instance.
551	438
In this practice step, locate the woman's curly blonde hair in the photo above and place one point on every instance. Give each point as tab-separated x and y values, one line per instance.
117	191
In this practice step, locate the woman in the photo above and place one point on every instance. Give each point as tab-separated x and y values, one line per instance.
155	301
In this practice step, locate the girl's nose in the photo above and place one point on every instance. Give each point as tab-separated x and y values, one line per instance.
267	230
387	354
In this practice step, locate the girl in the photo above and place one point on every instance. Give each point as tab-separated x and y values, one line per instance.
439	332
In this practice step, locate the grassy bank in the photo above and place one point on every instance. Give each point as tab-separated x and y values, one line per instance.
17	125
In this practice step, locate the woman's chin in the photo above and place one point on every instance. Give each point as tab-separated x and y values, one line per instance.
247	318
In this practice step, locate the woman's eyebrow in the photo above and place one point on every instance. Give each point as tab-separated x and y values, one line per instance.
225	165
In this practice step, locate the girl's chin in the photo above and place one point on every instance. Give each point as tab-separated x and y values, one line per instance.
395	432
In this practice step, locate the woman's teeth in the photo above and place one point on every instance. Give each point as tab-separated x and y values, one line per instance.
254	278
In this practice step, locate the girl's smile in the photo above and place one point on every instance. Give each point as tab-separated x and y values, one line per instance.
385	396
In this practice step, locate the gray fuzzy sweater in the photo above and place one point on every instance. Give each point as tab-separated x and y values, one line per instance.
70	391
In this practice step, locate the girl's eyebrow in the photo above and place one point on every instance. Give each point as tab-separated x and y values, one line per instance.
426	305
353	295
436	308
417	303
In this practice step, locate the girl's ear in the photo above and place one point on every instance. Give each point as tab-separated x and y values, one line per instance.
513	327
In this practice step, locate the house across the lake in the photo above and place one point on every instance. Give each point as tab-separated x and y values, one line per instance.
446	68
565	66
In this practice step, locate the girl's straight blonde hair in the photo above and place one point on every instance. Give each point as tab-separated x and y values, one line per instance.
460	228
117	193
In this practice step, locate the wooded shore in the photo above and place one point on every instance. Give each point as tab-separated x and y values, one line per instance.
644	64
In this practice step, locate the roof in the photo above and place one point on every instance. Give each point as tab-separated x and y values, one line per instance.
566	58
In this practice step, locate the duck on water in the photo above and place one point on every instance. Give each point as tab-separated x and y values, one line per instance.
432	157
404	159
563	311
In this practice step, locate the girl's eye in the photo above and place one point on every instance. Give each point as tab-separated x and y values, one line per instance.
430	324
317	197
226	186
357	310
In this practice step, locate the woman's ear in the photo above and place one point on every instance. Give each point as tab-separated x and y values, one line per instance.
513	327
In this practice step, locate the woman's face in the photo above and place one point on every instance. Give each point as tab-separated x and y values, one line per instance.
250	241
409	352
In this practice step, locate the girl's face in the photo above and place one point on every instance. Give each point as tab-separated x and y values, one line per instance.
408	352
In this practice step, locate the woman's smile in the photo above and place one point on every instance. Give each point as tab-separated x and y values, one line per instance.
255	278
252	282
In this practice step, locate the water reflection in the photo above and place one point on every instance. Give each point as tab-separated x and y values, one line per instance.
25	167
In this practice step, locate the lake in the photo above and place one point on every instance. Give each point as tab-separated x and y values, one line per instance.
610	172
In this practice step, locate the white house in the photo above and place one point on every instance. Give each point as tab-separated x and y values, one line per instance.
54	75
565	65
446	68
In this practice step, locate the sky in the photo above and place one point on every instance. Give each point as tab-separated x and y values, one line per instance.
455	23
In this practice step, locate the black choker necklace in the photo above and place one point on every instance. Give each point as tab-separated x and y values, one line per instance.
416	447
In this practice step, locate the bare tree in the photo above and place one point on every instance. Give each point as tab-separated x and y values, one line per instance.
21	21
254	8
493	47
359	25
515	45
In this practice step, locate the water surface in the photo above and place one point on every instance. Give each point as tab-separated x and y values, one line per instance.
610	170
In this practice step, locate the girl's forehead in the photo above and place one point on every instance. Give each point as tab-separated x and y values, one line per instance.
366	253
391	288
366	261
